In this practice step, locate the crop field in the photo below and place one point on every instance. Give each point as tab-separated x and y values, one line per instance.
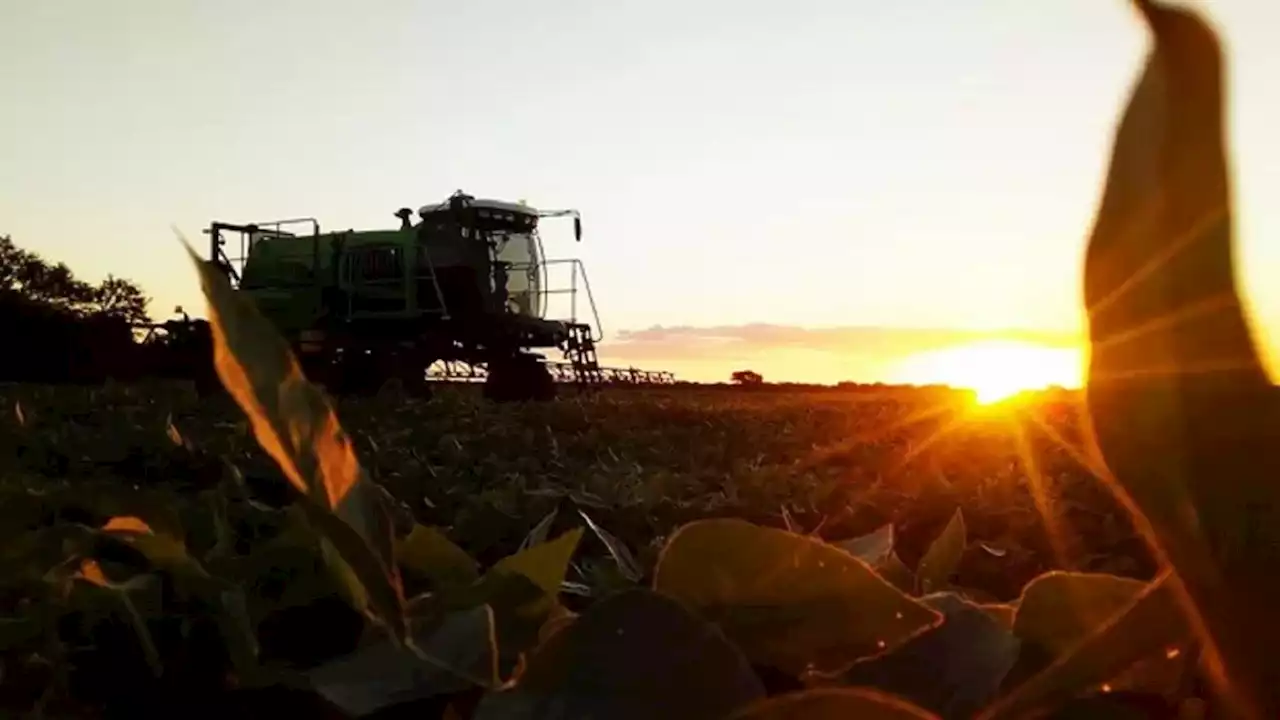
626	467
640	463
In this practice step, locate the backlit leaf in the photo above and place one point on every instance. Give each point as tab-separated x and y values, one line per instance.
1059	609
1181	405
294	422
788	600
1149	625
546	564
953	670
430	554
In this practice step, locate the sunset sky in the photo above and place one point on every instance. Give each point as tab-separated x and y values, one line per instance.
817	190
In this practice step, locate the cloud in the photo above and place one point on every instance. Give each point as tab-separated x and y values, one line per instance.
739	341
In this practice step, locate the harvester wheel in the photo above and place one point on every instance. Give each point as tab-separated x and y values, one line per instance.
519	378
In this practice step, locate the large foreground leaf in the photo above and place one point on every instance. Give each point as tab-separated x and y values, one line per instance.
1059	609
294	422
953	670
1182	408
634	655
789	601
1146	627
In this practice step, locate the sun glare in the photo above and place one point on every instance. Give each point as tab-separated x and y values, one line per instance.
996	369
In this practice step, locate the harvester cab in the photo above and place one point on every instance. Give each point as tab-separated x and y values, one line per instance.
467	284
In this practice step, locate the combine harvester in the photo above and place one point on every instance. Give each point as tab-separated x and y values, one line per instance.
462	292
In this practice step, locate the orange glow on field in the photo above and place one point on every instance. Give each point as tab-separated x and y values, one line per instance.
996	369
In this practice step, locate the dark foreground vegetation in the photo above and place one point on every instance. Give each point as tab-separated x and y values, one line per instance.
625	469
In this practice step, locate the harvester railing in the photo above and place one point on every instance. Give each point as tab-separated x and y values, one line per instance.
234	266
576	268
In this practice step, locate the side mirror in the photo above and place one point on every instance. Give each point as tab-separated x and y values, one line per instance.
577	229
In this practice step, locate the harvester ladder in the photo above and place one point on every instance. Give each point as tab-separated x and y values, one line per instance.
580	351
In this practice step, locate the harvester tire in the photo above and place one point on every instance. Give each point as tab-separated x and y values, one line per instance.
518	379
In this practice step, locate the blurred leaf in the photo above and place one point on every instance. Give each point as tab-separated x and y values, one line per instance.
449	656
873	548
617	549
789	601
1181	405
833	704
430	554
943	556
953	670
1152	623
636	655
295	424
1059	609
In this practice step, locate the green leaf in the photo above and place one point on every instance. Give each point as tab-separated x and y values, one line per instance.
953	670
833	704
545	564
788	600
1149	625
447	656
1059	609
635	655
427	552
874	548
295	424
522	589
943	556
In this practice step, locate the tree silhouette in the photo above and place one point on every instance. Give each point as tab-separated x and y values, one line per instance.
121	298
69	330
746	377
26	276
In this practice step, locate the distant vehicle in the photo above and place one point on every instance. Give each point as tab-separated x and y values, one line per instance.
465	285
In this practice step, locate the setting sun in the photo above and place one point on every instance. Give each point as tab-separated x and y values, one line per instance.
996	369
